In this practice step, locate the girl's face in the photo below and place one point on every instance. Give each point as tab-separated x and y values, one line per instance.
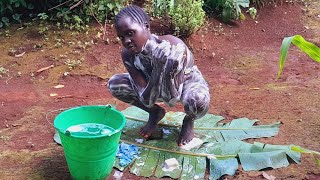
132	34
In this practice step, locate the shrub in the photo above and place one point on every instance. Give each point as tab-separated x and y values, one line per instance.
162	7
103	9
72	14
187	16
13	10
226	9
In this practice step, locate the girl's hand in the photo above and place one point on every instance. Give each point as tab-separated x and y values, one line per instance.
159	51
177	52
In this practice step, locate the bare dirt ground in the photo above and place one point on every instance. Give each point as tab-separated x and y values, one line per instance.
240	61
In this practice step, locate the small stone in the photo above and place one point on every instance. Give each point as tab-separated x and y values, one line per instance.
53	94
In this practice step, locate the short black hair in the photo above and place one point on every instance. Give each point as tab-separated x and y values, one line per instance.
136	13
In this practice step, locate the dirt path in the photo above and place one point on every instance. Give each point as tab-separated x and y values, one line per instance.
239	61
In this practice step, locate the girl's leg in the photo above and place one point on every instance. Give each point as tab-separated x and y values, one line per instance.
120	87
196	101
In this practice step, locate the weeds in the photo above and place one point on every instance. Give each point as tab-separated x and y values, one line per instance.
3	71
73	63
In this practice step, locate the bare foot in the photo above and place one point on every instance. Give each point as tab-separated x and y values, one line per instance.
154	117
186	133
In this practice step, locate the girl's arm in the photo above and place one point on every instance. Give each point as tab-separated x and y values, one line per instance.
174	73
148	91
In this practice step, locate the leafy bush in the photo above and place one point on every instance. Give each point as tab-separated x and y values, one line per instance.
73	14
226	9
162	7
187	16
12	11
103	9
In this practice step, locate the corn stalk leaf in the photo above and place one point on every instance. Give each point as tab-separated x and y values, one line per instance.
309	48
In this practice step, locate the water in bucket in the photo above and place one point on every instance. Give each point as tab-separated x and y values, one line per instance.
90	129
90	136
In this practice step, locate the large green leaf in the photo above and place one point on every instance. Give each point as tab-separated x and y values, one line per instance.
232	147
258	161
222	146
241	128
312	50
206	127
260	147
151	164
219	168
171	118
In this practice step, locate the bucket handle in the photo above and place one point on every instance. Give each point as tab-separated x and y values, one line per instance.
49	112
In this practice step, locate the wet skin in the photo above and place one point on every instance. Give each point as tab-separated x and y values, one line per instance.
133	37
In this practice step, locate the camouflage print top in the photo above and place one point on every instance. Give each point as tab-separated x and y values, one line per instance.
170	85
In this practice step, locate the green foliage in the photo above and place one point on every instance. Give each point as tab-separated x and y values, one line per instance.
162	7
253	12
187	16
224	152
103	9
227	9
73	63
74	14
312	50
43	16
258	3
12	11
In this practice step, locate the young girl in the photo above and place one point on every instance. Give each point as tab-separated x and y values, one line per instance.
160	69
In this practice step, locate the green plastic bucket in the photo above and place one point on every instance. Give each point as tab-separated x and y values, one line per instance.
90	157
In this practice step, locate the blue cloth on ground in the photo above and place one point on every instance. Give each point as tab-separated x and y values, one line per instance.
126	153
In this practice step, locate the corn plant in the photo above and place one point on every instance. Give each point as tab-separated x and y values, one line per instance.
309	48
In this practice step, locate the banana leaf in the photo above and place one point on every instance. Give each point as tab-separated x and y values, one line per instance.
206	127
309	48
254	156
219	168
222	145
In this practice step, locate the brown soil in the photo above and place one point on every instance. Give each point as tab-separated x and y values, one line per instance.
240	61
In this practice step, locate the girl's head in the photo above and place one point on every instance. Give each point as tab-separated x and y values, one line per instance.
133	28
